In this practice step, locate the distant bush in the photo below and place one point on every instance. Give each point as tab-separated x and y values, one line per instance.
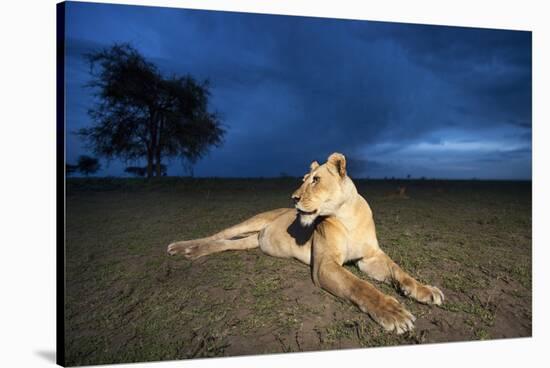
71	169
136	170
87	165
142	171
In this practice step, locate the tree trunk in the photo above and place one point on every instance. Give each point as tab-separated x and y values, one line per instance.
158	167
158	147
151	147
149	164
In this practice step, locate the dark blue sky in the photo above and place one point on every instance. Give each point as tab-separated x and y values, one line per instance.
397	99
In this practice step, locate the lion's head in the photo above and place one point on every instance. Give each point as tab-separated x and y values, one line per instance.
323	190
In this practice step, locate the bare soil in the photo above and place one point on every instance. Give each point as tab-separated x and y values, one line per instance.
127	301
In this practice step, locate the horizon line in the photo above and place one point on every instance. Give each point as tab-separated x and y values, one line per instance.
290	177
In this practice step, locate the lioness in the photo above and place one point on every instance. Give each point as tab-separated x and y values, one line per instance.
331	224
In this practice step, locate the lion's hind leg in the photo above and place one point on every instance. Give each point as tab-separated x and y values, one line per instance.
381	267
193	250
246	229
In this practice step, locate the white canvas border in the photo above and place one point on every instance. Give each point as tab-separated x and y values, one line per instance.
28	181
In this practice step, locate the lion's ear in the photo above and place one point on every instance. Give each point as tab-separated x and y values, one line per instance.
314	165
339	162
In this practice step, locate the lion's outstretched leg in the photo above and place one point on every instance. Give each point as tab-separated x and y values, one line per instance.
328	273
250	227
384	309
200	248
381	267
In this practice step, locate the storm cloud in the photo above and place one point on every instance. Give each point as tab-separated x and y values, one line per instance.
397	99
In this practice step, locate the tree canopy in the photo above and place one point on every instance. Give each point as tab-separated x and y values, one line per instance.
88	165
139	113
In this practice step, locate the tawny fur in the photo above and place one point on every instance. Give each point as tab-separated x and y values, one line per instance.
331	224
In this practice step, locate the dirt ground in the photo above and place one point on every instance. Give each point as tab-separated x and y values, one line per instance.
127	301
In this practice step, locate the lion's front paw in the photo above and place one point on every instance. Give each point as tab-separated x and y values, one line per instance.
391	315
429	295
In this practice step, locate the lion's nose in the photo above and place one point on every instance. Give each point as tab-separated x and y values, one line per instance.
296	198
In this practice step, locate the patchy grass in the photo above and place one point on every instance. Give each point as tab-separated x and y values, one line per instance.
126	301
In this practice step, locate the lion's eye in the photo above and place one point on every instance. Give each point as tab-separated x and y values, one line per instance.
316	179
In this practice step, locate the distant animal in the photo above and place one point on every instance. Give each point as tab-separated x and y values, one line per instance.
398	193
330	224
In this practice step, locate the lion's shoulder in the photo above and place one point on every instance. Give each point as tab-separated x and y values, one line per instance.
330	227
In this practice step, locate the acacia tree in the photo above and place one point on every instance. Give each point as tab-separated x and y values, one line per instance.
139	113
88	165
